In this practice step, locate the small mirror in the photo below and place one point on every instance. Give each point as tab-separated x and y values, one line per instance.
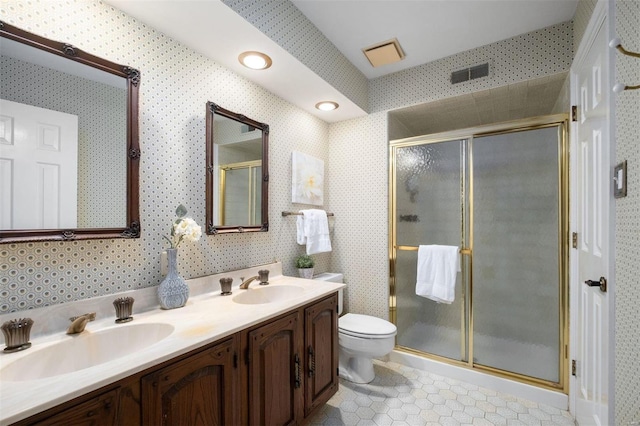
69	153
237	172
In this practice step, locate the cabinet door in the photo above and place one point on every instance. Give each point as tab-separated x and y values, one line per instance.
198	390
275	372
100	410
321	347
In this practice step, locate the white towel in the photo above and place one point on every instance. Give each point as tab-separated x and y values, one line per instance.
313	230
437	271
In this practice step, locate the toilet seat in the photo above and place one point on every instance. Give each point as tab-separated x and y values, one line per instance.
366	327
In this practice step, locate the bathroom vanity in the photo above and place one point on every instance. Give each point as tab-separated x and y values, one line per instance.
267	357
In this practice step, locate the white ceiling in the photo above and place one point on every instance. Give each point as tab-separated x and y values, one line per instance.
426	29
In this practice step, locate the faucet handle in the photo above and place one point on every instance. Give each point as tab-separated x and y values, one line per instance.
124	306
264	276
16	334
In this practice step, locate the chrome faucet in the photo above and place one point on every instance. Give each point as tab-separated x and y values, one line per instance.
78	323
245	283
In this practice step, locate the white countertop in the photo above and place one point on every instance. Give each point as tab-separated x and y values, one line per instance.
206	318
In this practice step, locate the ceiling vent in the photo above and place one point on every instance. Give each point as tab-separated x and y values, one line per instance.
384	53
471	73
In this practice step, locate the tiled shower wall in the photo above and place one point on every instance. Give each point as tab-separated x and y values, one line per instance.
358	150
627	376
176	84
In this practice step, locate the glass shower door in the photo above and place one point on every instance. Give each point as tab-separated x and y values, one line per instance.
430	182
516	293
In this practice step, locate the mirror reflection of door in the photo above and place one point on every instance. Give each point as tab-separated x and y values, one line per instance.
240	193
38	163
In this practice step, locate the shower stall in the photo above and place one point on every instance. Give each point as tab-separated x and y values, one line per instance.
500	194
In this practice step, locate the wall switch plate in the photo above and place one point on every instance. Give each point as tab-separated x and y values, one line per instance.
620	180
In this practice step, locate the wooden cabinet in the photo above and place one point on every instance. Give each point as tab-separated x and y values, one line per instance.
275	373
200	389
321	347
293	364
100	410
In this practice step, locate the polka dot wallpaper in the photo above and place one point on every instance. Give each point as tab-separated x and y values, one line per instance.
176	83
584	10
524	57
627	376
358	150
286	25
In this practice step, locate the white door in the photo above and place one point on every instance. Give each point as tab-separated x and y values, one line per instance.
592	201
38	167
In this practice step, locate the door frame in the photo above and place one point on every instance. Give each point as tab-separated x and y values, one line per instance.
603	14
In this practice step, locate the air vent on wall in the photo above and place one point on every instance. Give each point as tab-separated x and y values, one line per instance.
470	73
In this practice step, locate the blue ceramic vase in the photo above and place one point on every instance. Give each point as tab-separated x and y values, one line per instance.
173	291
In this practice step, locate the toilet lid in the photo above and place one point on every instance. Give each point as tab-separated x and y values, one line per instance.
366	326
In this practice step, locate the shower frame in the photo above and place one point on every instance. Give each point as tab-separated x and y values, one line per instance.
557	120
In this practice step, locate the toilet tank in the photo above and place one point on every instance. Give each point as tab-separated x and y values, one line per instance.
333	277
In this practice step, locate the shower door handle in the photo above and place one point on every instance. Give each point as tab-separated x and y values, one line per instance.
602	283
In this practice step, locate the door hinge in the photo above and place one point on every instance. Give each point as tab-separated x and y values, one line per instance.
574	113
235	360
573	367
574	240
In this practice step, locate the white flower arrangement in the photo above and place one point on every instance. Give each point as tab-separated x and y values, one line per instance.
184	228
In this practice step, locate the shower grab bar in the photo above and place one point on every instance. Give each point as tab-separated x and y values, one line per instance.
299	214
415	248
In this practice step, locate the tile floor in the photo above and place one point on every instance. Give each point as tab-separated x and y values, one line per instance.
401	395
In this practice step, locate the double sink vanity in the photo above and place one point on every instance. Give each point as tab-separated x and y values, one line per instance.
265	355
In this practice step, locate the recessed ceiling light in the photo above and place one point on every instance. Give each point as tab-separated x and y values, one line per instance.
255	60
327	106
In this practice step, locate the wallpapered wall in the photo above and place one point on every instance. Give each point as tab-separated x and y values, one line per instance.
176	84
281	21
627	376
358	150
102	119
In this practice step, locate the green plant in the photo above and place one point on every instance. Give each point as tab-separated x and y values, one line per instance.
304	261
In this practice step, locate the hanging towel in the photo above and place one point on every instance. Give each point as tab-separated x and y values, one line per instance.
312	229
436	274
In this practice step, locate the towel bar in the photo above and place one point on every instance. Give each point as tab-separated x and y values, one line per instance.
415	248
299	214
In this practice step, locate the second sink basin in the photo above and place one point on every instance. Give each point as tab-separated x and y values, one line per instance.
85	350
261	295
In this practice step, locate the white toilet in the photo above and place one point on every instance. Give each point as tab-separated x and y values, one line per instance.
360	339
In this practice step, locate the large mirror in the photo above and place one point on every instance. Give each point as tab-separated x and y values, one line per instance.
237	172
69	151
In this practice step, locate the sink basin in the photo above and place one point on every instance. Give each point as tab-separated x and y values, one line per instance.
261	295
84	350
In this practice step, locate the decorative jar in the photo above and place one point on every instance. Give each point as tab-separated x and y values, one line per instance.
173	291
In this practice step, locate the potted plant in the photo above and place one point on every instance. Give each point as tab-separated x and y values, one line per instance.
305	264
